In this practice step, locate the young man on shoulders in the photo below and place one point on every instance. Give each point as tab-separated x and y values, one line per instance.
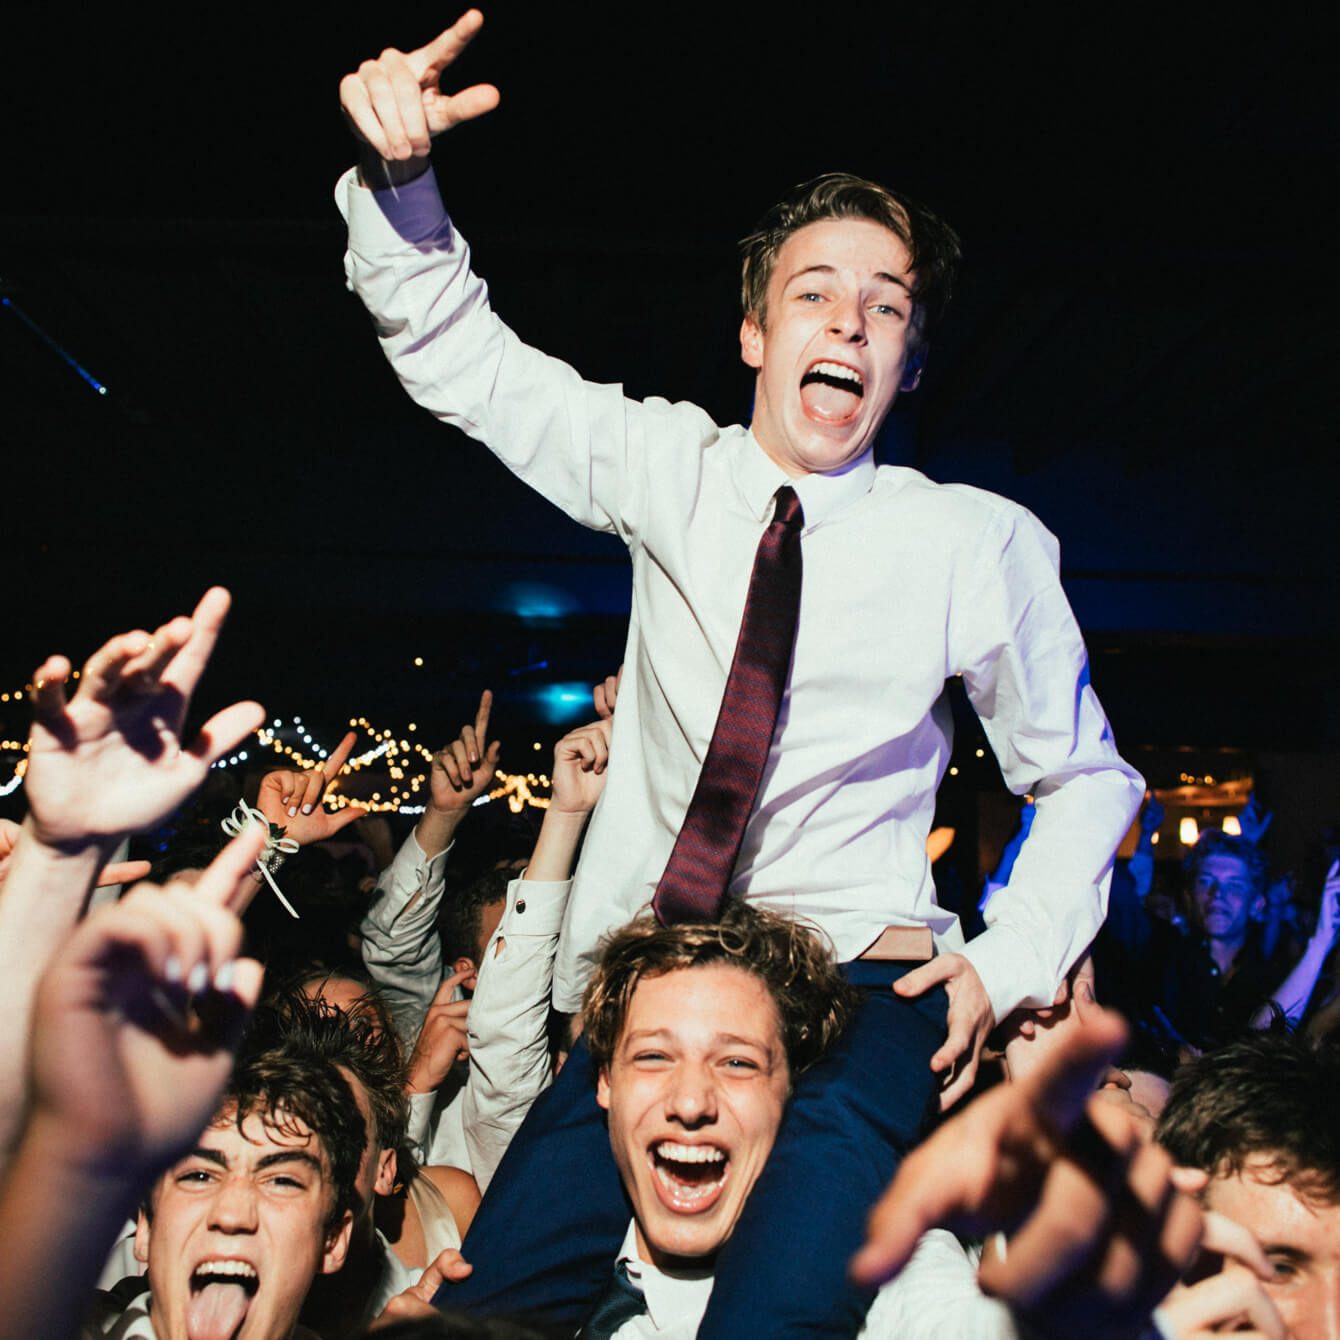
905	583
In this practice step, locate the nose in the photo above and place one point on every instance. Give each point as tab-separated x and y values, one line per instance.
848	321
691	1096
234	1207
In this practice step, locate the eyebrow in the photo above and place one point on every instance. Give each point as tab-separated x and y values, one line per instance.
832	270
729	1039
216	1156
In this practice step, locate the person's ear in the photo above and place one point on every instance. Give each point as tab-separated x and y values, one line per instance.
603	1088
751	342
387	1167
1258	912
912	370
337	1244
142	1238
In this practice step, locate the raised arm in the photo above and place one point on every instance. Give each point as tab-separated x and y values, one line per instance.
400	943
1293	994
133	1033
106	762
508	1020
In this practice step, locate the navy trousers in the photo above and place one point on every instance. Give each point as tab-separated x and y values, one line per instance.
555	1214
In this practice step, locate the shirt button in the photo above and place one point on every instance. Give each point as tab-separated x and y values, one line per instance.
520	905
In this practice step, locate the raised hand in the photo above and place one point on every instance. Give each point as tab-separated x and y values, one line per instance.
290	798
137	1017
394	103
1101	1223
1254	819
110	760
580	760
464	769
605	694
443	1039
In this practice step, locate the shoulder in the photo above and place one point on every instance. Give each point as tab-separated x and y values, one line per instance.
459	1189
959	511
912	489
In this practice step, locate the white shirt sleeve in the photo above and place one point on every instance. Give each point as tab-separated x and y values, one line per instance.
1026	672
400	945
575	442
935	1297
508	1021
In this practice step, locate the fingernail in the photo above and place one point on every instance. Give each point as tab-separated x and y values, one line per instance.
307	809
223	979
292	811
172	969
195	983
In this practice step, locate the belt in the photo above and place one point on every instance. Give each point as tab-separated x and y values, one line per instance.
902	944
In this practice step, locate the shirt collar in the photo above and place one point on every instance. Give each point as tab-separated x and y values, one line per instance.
673	1297
821	496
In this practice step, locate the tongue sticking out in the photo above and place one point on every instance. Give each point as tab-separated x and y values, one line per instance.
826	398
217	1311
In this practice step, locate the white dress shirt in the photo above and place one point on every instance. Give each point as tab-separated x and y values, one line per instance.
906	583
934	1297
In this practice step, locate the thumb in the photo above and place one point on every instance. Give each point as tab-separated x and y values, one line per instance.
341	819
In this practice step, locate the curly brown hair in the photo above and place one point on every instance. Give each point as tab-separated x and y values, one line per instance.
814	1001
932	245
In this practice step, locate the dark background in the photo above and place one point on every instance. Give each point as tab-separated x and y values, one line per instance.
1142	350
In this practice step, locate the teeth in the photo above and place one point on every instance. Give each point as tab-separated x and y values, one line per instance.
690	1153
243	1269
838	370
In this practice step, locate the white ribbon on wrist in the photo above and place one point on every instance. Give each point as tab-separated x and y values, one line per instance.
277	850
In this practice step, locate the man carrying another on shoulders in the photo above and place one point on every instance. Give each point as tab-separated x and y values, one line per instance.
781	728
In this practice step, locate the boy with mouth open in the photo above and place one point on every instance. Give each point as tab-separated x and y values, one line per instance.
905	584
235	1232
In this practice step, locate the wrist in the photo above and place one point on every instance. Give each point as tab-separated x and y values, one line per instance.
380	174
423	1079
566	817
71	1162
89	848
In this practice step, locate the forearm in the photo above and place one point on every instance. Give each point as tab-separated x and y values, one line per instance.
555	851
1293	994
43	898
57	1222
436	830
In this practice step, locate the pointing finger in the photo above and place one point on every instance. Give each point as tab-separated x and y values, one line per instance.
429	61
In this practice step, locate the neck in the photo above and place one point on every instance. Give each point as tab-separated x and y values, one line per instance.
1225	952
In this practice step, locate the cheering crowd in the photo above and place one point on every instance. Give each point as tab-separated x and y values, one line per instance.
701	1054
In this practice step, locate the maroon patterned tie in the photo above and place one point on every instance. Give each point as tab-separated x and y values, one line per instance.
705	852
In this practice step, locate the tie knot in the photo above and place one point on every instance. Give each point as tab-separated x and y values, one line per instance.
789	511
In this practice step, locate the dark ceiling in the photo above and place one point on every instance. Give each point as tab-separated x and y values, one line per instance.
1142	351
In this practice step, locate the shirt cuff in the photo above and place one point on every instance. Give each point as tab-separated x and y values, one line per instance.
396	216
535	907
1006	964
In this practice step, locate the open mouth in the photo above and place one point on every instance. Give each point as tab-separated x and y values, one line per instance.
831	392
221	1294
688	1178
